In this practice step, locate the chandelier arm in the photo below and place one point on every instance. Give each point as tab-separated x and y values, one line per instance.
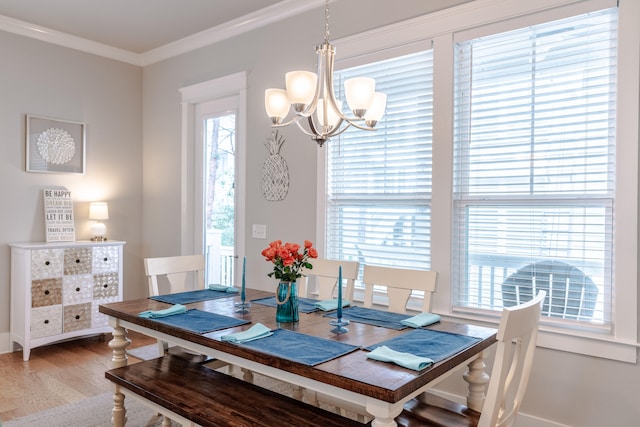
306	132
294	119
361	127
335	132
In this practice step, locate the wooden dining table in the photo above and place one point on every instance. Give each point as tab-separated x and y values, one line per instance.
380	388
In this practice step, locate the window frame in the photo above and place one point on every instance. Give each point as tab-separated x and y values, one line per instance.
439	28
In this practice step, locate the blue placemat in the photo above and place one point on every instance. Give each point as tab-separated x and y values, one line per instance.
301	348
200	322
305	305
371	316
435	345
191	296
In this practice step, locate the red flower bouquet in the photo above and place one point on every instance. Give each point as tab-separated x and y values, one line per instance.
288	260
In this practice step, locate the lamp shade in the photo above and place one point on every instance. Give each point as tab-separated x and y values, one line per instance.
98	211
376	110
301	86
276	103
359	92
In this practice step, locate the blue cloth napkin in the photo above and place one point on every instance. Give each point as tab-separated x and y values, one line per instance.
420	320
223	288
371	316
331	304
255	332
305	305
406	360
154	314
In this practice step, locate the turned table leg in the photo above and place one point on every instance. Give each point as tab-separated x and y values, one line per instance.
477	379
119	345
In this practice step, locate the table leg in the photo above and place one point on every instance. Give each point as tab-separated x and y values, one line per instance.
384	413
119	345
477	379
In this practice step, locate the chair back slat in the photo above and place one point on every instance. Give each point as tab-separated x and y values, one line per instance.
183	273
517	336
400	282
325	274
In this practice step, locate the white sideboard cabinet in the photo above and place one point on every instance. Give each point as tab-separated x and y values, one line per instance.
56	289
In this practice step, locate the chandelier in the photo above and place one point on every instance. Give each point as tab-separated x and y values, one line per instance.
312	97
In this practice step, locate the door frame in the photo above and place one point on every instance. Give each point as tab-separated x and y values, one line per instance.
192	207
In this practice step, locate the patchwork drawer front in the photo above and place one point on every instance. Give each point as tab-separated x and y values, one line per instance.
100	320
77	289
77	261
46	292
76	317
46	321
105	259
105	285
47	263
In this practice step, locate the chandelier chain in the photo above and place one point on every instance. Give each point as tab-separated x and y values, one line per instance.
326	21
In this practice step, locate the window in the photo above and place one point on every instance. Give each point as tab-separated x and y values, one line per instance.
534	166
379	183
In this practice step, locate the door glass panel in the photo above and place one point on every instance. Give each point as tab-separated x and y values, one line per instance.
219	195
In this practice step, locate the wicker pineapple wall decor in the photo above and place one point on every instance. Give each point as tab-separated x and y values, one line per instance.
275	173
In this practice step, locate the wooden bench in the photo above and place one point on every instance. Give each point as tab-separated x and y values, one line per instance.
184	390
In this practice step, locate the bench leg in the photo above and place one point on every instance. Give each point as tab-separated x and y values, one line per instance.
119	413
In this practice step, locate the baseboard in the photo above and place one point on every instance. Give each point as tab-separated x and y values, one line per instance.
522	420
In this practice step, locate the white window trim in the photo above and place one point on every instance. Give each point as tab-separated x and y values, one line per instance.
439	27
191	214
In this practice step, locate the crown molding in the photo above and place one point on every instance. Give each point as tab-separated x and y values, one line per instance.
281	10
244	24
48	35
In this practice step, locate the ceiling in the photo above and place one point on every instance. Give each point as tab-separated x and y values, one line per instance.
140	26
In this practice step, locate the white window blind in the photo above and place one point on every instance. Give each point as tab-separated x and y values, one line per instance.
534	165
379	183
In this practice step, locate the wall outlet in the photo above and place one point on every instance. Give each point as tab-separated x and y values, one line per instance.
259	231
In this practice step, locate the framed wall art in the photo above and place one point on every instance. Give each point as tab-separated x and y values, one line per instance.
55	146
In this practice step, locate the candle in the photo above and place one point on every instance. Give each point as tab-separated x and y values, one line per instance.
244	269
339	292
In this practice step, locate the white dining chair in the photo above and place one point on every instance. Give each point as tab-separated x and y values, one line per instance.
399	283
325	275
182	273
517	335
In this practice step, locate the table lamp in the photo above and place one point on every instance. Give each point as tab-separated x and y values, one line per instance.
98	211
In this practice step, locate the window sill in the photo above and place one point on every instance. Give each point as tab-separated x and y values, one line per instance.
572	341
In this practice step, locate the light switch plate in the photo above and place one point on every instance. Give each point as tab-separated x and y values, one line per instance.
259	231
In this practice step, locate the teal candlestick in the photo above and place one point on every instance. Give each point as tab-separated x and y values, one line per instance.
340	292
244	272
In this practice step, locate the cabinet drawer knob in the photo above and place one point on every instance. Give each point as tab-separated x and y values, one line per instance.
46	292
47	263
77	316
77	261
105	286
77	289
105	259
46	322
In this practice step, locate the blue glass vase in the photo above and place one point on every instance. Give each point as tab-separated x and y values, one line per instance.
287	302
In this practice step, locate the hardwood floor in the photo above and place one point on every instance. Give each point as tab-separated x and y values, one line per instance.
57	374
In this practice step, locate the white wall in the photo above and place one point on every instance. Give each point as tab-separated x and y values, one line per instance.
565	388
47	80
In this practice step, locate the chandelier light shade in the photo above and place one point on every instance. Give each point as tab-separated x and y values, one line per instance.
317	112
